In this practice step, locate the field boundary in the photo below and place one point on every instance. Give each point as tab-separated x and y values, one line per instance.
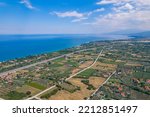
70	76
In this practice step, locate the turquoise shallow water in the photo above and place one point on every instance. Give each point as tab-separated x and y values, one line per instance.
17	46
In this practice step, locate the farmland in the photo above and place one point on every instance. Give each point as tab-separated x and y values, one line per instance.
132	78
78	72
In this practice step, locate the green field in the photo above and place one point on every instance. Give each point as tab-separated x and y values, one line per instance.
139	74
59	60
14	95
86	74
50	93
36	85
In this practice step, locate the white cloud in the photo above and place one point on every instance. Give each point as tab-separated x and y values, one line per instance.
96	11
123	20
126	14
79	19
28	4
123	2
144	2
78	16
105	2
99	10
69	14
126	7
102	2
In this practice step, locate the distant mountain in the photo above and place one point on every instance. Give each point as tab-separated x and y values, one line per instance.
145	34
125	32
132	33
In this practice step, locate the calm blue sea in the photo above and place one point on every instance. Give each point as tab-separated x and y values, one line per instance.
17	46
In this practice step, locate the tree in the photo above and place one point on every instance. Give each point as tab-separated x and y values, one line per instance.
28	92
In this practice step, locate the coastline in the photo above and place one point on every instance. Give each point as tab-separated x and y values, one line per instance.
73	47
22	46
27	60
80	68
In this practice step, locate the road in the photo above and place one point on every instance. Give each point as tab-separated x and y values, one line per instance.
35	96
103	84
41	62
87	67
69	77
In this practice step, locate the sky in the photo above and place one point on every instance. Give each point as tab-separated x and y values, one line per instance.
73	16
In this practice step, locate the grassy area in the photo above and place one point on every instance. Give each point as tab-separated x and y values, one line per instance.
36	85
69	87
56	65
49	94
86	74
102	60
59	60
73	63
111	61
139	74
27	88
14	95
90	86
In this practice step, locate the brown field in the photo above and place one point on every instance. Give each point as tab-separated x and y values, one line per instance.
119	61
22	72
96	81
26	88
68	87
104	66
77	56
78	95
133	64
86	64
75	71
62	68
88	57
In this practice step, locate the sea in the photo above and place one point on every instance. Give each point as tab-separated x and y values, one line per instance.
18	46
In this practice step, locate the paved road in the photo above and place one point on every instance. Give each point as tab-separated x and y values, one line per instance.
41	62
69	77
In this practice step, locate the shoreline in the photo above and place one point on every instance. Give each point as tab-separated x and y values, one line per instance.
47	43
50	52
84	67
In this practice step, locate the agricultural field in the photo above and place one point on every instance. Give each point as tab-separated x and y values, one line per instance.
114	69
35	79
132	79
81	94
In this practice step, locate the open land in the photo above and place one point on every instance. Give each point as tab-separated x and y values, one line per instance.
96	70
